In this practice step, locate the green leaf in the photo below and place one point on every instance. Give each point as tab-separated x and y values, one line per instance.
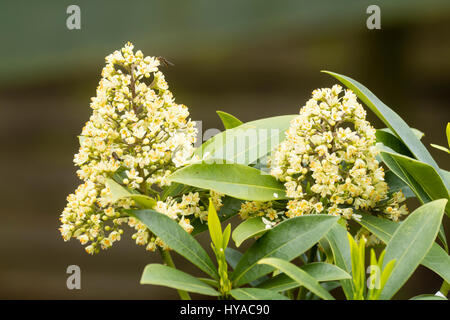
410	244
425	175
229	121
161	275
443	237
235	180
299	275
177	239
247	142
387	271
118	192
396	184
337	238
436	146
390	140
447	130
400	172
446	176
172	190
210	282
250	228
322	271
428	297
318	270
215	229
436	259
232	256
226	236
324	246
419	134
279	283
287	240
390	119
256	294
230	207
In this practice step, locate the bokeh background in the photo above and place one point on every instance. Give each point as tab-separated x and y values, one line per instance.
251	58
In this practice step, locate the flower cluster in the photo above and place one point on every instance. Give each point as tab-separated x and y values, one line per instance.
137	129
328	164
190	205
251	209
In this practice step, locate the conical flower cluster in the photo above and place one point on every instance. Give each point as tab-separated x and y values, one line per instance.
137	135
328	162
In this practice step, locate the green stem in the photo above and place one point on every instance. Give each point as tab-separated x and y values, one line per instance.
290	294
167	258
312	254
301	293
444	288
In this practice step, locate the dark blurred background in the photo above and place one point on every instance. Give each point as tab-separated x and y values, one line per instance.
251	58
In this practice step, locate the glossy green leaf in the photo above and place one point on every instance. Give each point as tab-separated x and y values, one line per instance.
385	276
396	184
250	228
388	139
337	238
447	131
419	134
322	271
279	283
229	121
318	270
215	229
436	259
358	267
161	275
325	247
235	180
428	297
390	119
210	282
118	192
441	148
423	174
247	142
410	244
256	294
177	239
226	236
287	240
172	190
230	207
403	174
446	176
299	275
232	256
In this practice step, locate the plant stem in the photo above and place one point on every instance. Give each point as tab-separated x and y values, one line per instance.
301	293
167	258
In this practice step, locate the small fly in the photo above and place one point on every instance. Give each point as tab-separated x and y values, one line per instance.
165	62
115	156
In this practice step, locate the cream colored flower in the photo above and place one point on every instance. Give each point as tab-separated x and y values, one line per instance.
328	164
138	134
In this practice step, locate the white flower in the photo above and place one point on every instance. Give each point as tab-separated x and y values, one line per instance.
269	224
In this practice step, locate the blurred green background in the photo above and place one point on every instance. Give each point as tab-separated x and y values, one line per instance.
251	58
